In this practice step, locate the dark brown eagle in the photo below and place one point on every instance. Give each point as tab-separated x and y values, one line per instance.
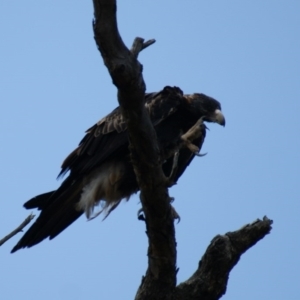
100	168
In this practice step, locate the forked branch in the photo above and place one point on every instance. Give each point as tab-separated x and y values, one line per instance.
210	279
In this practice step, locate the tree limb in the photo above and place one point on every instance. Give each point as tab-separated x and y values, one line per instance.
210	279
18	229
126	72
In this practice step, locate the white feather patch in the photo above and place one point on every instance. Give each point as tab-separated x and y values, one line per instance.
103	186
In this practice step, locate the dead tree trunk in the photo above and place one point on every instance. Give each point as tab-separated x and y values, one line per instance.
210	279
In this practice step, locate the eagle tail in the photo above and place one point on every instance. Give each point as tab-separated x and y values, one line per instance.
58	211
39	201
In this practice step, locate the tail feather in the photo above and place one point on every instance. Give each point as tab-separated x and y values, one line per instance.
58	211
39	201
64	223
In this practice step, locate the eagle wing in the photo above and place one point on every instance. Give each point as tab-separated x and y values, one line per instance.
108	137
103	141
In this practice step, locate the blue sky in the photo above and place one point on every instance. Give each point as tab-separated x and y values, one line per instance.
54	86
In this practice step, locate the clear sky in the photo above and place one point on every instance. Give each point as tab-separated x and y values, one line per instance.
54	86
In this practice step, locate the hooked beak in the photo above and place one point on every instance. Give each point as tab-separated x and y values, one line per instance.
218	117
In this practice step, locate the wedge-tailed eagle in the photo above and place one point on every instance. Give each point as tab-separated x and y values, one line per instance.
100	171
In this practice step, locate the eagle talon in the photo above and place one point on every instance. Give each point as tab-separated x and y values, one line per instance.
140	215
200	154
174	214
171	199
193	148
194	133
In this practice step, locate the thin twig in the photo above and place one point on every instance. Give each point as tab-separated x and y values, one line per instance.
18	229
139	45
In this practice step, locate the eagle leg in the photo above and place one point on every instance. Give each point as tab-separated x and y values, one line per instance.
192	134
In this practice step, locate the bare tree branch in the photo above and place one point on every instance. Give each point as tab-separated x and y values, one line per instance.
139	45
18	229
126	72
210	280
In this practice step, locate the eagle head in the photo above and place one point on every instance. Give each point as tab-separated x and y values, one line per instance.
206	107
